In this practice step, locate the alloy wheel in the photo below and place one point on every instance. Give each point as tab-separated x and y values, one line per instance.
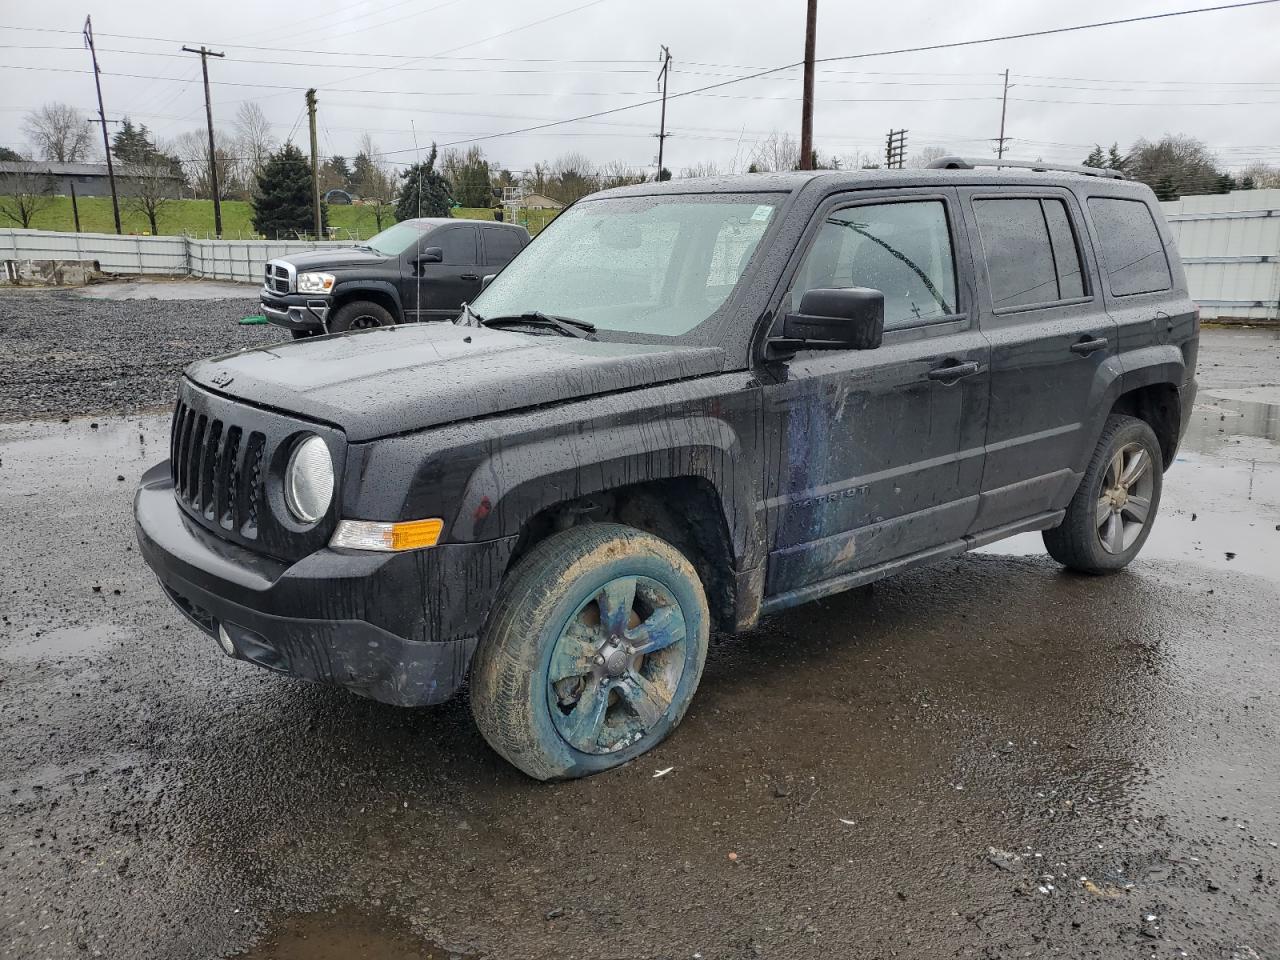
616	665
1124	502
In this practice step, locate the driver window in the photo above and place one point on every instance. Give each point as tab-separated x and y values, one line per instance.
901	249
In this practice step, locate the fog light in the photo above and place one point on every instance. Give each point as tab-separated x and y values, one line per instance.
224	641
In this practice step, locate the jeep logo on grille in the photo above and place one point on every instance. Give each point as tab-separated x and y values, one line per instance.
221	378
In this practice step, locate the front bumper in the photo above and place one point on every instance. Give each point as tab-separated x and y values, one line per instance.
398	627
296	311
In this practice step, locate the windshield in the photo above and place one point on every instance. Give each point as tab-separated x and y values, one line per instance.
395	240
647	265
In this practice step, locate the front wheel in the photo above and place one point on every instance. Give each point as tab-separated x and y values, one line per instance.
593	652
360	315
1110	517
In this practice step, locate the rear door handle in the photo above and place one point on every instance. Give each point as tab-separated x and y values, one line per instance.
1086	347
951	372
471	276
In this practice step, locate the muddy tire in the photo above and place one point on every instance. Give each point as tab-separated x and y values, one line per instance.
593	650
360	315
1110	517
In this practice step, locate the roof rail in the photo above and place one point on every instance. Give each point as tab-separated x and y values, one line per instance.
969	163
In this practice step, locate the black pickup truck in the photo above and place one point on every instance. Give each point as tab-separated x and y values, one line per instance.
422	269
684	406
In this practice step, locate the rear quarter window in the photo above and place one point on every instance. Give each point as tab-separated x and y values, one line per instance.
1133	256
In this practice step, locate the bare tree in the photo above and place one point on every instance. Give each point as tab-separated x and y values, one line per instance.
1263	175
618	173
192	151
148	189
373	182
705	168
777	152
572	177
254	142
927	155
24	195
60	132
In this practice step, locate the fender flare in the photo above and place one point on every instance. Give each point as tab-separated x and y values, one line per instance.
344	289
515	483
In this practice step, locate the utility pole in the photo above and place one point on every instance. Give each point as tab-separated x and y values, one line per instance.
1004	106
102	117
665	56
315	164
806	107
205	54
895	150
75	208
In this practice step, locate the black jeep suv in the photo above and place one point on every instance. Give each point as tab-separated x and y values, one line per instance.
415	270
685	405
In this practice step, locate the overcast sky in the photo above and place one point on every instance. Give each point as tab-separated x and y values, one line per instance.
461	69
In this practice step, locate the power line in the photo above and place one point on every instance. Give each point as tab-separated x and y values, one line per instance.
886	53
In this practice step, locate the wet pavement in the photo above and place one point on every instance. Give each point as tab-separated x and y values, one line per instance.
987	758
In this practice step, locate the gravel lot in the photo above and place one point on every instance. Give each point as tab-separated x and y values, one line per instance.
988	758
67	354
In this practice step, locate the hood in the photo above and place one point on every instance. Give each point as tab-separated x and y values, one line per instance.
374	383
327	259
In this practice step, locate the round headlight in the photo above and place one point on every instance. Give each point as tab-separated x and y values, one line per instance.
308	480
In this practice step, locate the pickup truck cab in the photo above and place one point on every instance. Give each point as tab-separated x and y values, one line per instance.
684	406
421	269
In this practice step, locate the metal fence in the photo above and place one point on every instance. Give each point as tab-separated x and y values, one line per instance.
1230	246
161	256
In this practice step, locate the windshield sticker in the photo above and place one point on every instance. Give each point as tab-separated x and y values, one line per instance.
762	212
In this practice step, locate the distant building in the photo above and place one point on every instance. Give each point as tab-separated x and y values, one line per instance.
89	179
337	196
534	201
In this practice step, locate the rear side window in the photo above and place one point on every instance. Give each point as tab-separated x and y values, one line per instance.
457	244
1031	252
901	249
1132	252
500	246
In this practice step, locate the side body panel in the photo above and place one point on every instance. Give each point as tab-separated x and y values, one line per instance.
436	291
1046	387
868	458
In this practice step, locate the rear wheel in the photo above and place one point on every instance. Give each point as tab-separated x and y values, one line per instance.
360	315
593	652
1110	517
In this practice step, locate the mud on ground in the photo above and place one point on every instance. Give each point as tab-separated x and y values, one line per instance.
988	758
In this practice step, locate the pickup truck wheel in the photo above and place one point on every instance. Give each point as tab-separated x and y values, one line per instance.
1110	517
592	653
360	315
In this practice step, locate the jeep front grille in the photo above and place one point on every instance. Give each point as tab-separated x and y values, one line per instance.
217	470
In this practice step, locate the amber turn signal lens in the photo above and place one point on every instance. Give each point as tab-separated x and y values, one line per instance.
391	537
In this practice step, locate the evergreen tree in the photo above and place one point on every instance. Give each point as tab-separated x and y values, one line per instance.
1096	157
1116	160
134	146
9	155
1248	183
337	166
1166	188
473	180
1224	184
425	191
283	204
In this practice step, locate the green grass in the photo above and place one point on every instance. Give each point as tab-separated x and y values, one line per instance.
195	217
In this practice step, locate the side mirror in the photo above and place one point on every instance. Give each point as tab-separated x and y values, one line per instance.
431	255
486	280
828	319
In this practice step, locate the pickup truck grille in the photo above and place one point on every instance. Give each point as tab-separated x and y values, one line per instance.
278	277
217	470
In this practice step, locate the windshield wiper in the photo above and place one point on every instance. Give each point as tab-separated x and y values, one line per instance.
569	326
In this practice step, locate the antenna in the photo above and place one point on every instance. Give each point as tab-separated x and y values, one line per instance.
417	154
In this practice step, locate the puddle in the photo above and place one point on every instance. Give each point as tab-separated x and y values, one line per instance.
62	642
1221	502
347	935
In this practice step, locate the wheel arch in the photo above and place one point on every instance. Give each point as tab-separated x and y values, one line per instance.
379	292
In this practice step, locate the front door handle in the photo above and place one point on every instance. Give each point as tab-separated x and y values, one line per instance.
1086	347
951	372
471	276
